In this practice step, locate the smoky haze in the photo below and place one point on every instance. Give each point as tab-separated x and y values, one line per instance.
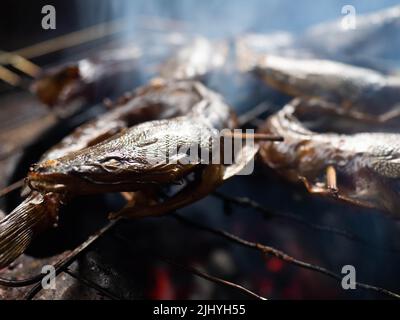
221	18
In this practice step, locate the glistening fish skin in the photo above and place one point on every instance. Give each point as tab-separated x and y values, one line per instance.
85	78
97	159
127	162
367	164
95	77
157	100
349	87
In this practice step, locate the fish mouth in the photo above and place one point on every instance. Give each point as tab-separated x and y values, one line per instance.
52	182
77	183
64	183
52	176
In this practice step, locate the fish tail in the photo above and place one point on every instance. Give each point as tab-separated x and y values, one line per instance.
35	214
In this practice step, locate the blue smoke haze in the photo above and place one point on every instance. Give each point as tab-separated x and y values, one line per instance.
229	17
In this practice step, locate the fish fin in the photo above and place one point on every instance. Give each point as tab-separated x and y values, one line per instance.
211	178
243	164
33	215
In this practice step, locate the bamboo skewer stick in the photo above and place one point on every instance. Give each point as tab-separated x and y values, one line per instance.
9	77
14	186
19	58
93	33
19	63
25	66
255	136
71	39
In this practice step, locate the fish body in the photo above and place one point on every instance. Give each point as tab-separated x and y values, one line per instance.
116	152
367	164
349	87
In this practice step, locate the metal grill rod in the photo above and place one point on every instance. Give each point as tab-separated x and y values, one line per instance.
71	257
199	273
62	263
280	255
92	284
246	202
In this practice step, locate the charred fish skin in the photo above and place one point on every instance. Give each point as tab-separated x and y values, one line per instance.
142	155
101	162
85	78
158	100
367	164
93	77
128	160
